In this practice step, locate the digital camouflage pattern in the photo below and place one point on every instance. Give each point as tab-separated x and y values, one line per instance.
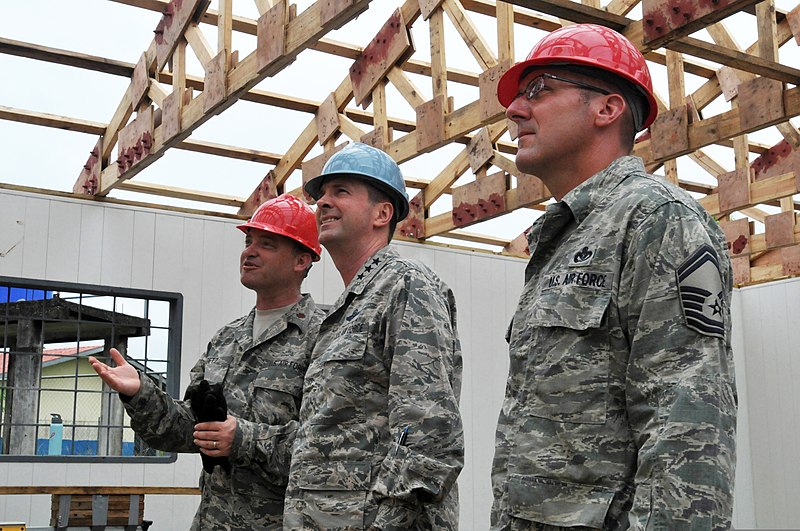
263	381
387	357
620	408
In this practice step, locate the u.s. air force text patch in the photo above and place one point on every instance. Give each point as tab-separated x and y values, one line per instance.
585	279
702	295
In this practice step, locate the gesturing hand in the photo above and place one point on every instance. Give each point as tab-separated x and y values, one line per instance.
123	378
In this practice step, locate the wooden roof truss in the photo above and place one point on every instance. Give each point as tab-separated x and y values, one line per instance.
163	105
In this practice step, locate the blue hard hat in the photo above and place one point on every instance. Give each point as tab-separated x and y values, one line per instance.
367	163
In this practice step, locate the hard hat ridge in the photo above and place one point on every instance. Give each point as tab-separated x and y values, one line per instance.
588	45
370	164
287	216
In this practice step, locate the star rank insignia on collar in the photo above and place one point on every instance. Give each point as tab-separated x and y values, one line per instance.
702	294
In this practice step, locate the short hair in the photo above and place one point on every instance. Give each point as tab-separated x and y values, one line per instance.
376	195
299	249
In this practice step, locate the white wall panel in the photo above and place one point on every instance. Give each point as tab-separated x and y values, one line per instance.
212	283
117	255
34	248
236	300
772	366
743	508
143	245
63	236
12	234
189	263
198	257
168	252
90	246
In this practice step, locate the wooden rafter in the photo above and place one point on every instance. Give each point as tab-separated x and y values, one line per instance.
165	104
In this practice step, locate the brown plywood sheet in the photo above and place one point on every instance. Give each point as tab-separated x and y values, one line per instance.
271	35
135	140
388	47
779	229
734	190
790	259
728	82
330	9
737	236
375	138
670	132
760	102
480	150
89	179
741	270
140	83
171	113
427	7
793	17
176	18
430	123
666	20
481	199
779	159
313	167
414	224
327	119
266	189
487	85
530	190
215	81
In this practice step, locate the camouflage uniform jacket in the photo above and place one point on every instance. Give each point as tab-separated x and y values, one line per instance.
262	381
620	407
387	358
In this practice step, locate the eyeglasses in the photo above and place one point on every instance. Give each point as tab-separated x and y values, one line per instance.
536	85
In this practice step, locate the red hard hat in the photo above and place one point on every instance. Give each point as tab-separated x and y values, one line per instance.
585	45
288	216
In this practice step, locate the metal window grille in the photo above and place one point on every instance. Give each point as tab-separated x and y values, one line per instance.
52	403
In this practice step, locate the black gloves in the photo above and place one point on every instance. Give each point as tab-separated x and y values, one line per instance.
208	404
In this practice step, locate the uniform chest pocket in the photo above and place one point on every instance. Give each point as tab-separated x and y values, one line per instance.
571	356
339	375
276	393
215	370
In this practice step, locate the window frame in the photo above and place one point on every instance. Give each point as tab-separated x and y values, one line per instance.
173	358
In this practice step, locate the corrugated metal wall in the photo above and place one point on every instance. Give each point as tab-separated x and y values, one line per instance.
112	245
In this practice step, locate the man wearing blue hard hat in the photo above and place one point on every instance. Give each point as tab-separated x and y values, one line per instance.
620	407
380	443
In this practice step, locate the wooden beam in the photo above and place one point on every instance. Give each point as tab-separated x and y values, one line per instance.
51	120
302	30
760	192
64	57
472	38
181	193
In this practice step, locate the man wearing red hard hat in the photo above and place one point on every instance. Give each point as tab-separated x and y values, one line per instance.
257	362
620	406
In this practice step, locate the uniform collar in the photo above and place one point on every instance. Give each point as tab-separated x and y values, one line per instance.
588	195
370	268
298	315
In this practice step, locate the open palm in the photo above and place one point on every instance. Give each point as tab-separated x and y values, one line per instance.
123	378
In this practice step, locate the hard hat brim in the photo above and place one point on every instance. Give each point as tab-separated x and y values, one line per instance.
245	227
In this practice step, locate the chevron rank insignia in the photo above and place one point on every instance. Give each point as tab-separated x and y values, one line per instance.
702	294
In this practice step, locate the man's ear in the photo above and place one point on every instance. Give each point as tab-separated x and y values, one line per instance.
384	211
302	261
611	109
